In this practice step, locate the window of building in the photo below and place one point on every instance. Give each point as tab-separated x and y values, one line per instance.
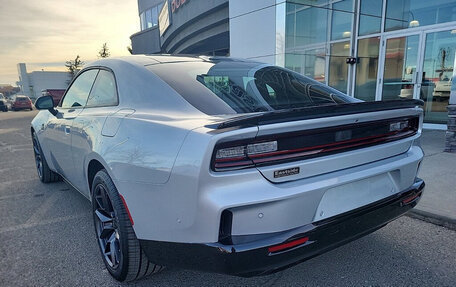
402	14
77	94
142	20
154	16
338	68
290	25
149	18
311	25
370	19
342	17
367	68
104	92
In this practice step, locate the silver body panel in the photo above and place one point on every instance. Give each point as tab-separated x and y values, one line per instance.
158	154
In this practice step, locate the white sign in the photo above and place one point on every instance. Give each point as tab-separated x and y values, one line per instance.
163	18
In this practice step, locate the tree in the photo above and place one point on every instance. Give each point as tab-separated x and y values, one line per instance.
104	51
74	66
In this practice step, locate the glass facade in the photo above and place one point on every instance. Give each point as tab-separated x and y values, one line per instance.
403	14
149	17
438	71
370	19
366	69
318	39
399	48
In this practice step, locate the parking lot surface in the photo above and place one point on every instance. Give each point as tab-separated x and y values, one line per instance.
47	239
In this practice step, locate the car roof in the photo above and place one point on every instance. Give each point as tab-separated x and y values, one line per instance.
135	71
146	60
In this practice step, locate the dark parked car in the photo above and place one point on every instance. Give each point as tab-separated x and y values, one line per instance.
3	103
21	103
56	94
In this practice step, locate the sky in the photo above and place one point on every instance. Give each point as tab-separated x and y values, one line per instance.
46	33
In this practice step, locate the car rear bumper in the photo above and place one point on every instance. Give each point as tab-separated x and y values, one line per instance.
255	256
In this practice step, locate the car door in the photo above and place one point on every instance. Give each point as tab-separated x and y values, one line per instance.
59	128
88	125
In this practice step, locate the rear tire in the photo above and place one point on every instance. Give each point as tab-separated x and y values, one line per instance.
44	173
120	249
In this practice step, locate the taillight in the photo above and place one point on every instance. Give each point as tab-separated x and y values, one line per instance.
240	156
284	147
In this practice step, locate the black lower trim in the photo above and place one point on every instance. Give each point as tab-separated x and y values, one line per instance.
253	258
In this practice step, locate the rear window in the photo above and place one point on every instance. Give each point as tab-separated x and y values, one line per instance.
229	87
21	99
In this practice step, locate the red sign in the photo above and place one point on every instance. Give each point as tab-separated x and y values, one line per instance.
176	4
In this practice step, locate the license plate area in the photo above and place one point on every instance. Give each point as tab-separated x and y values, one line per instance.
353	195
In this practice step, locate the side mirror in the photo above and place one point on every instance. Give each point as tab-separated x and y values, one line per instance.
46	103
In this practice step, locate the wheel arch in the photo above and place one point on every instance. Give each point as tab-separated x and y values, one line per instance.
94	164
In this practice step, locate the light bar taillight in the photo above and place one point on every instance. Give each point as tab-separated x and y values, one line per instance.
278	148
239	156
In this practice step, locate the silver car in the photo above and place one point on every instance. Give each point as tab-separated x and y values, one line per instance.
225	165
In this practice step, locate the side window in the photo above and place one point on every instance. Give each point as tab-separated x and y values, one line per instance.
104	92
77	95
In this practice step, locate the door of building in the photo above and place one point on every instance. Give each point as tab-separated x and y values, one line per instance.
419	65
437	71
399	66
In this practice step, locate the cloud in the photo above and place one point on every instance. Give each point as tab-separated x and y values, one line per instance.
52	31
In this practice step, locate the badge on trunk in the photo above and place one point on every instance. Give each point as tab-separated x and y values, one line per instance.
286	172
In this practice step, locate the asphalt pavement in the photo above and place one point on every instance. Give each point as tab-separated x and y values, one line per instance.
47	239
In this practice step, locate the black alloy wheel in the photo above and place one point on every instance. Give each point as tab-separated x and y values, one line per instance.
38	157
119	247
44	172
107	227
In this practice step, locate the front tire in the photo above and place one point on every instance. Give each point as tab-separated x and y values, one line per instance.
120	249
44	173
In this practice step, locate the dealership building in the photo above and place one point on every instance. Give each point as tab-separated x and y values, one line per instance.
369	49
32	83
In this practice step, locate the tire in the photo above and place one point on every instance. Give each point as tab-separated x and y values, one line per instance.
112	225
44	173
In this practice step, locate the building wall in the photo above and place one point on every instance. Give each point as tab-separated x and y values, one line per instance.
146	42
23	83
196	27
41	80
31	84
254	31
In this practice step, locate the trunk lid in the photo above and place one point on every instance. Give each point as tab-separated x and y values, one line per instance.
297	144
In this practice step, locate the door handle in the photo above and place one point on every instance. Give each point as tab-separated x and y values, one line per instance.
67	130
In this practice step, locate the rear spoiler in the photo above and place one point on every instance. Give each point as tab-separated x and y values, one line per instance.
315	112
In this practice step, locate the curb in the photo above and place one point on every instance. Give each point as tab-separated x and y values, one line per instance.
433	218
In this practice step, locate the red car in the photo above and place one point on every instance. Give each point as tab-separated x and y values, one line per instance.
56	94
21	103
